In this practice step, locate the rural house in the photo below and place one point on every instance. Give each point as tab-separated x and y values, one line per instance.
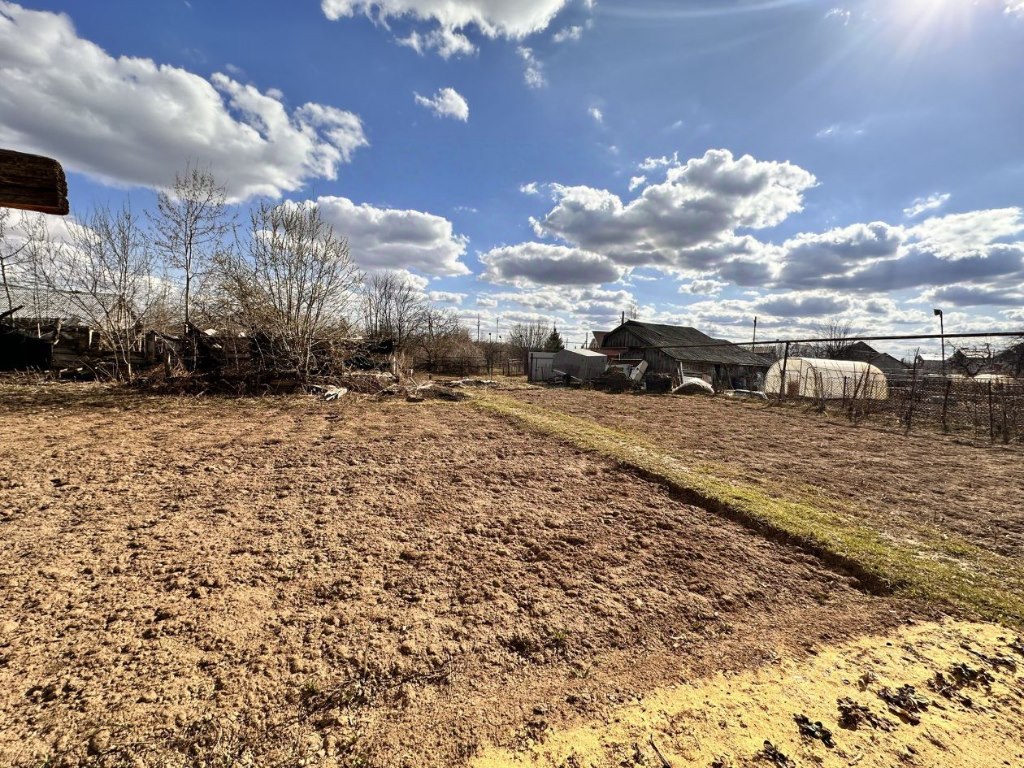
675	349
865	353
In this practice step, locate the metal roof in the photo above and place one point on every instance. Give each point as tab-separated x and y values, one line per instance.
40	303
693	345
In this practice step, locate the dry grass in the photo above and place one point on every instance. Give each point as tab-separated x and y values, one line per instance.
940	567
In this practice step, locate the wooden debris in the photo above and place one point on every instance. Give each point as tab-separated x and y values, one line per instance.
32	183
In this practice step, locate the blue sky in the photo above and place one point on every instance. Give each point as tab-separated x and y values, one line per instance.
711	160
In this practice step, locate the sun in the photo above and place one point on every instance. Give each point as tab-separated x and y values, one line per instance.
923	14
920	25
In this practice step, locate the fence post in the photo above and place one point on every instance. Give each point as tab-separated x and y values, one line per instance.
1006	432
913	395
991	421
945	405
782	380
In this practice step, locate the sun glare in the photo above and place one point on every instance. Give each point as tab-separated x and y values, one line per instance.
931	16
920	26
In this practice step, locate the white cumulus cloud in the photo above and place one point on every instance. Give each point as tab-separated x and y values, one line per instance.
132	121
596	114
925	204
688	222
388	238
447	43
447	102
568	34
542	264
493	18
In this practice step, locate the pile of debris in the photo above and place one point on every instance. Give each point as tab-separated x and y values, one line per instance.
472	383
386	385
428	391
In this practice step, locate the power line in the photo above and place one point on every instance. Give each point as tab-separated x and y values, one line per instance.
914	337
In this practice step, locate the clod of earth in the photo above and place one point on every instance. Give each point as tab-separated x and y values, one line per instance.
771	754
996	662
852	715
905	703
814	730
958	677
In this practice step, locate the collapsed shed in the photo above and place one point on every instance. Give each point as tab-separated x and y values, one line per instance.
823	379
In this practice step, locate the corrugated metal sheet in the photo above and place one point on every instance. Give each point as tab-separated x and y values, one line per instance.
70	307
634	333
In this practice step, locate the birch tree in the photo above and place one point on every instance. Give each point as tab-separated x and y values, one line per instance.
191	223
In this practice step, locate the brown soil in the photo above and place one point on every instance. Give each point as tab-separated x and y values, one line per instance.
966	710
904	485
288	582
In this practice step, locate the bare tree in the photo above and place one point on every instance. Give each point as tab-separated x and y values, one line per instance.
393	308
40	250
11	255
441	332
1013	357
108	275
633	312
191	223
292	284
524	338
836	334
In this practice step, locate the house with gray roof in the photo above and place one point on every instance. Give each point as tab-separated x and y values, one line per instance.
675	349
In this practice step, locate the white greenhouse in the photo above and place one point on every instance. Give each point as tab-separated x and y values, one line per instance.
828	380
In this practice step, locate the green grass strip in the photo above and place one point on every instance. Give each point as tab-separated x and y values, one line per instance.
973	579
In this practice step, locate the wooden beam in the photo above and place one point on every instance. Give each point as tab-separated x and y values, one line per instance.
32	183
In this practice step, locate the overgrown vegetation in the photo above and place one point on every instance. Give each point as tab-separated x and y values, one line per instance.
941	568
283	292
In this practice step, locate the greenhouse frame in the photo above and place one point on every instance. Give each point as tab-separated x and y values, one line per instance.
822	379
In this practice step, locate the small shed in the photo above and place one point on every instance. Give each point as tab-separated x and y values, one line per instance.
827	379
582	364
539	368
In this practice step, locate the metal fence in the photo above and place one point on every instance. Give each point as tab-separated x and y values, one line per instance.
473	365
982	409
979	392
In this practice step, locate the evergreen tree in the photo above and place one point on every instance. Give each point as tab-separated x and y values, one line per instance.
554	342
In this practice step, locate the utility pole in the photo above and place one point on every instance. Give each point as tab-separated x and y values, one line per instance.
477	327
753	343
942	333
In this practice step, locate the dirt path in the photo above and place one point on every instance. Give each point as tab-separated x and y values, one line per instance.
356	584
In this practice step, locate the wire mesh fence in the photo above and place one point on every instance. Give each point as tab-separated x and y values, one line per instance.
973	387
985	407
473	365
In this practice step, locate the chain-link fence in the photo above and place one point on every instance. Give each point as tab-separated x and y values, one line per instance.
986	407
473	365
977	391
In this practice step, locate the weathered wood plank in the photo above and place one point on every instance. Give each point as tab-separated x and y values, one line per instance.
32	183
